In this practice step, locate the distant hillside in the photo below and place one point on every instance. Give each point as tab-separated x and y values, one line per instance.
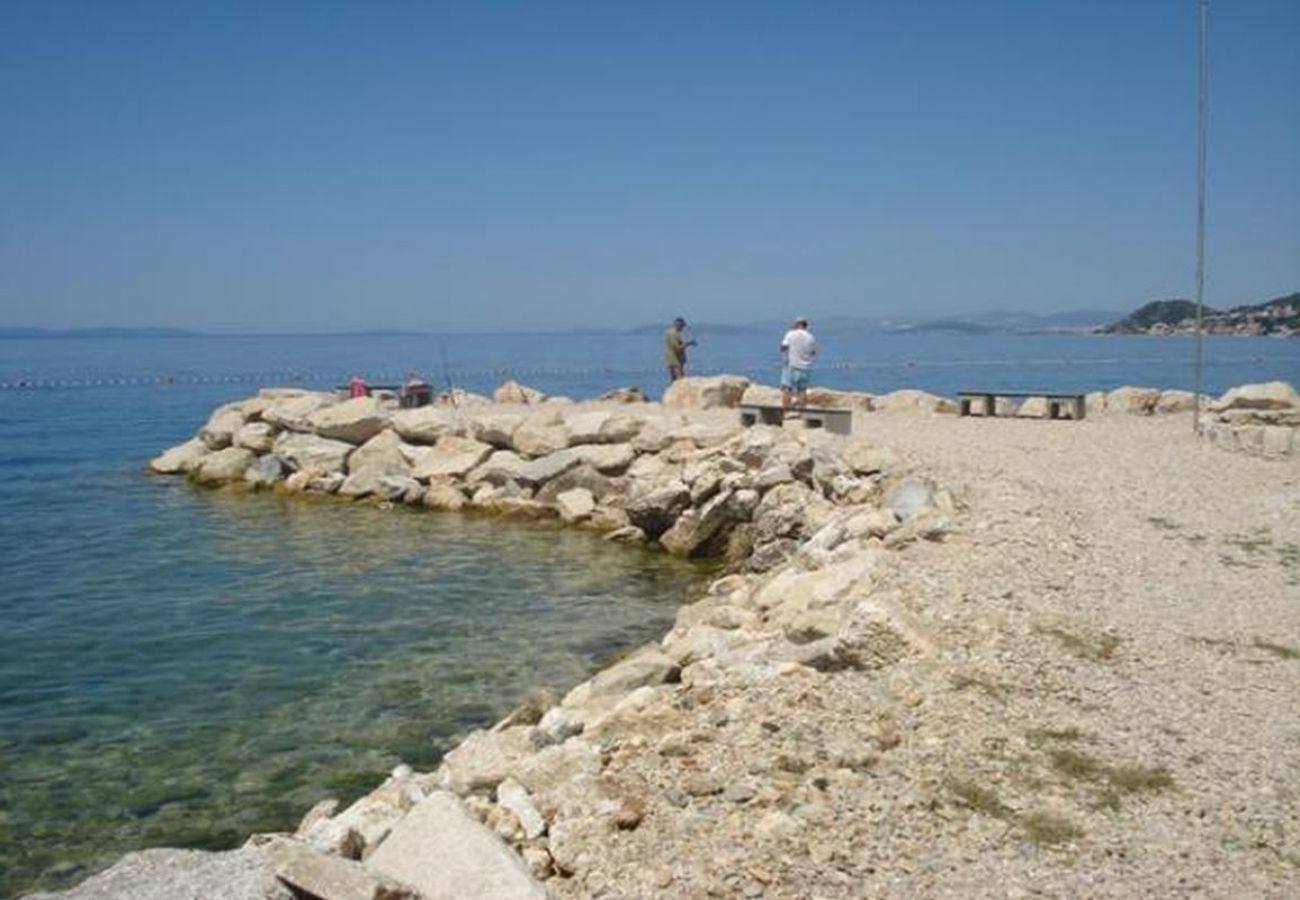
1278	317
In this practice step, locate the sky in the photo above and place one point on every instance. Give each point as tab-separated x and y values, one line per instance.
329	166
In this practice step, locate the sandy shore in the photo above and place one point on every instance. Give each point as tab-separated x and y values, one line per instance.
1112	708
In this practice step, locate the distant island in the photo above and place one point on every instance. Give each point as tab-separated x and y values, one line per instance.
1279	317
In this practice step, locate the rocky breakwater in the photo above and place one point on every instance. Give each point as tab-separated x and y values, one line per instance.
809	522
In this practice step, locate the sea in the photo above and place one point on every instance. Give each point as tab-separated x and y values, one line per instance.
183	666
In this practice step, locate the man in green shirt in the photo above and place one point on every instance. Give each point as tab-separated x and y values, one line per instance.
675	345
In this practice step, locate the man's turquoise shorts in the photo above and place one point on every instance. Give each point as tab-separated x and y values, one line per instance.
794	379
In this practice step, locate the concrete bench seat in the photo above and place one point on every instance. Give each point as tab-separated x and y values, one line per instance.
1058	403
838	421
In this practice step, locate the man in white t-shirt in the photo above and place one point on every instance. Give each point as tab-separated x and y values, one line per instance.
798	348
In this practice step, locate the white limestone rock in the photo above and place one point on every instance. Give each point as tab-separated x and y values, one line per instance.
181	458
611	459
514	796
514	392
575	505
427	424
913	401
447	854
315	874
223	466
311	453
495	428
484	759
1137	401
355	421
1267	395
265	471
715	392
294	411
219	431
384	453
444	496
1175	402
167	874
505	465
534	439
451	457
256	436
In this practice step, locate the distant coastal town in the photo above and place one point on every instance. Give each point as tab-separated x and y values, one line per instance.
1279	317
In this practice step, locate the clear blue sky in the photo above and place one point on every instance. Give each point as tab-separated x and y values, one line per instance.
330	166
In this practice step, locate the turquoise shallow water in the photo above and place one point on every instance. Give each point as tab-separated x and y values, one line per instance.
181	666
184	666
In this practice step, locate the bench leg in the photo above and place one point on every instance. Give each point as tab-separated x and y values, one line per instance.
1079	408
964	407
988	405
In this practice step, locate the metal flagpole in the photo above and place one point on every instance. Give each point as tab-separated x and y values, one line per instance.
1200	212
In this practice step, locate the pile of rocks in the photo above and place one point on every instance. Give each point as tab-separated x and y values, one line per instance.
697	483
1260	419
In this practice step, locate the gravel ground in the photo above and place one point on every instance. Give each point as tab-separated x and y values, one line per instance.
1112	710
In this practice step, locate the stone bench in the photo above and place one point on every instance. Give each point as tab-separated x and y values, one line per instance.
838	421
1057	403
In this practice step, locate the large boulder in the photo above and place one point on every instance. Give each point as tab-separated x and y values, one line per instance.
505	465
575	505
655	509
648	666
355	421
580	476
602	427
374	482
867	459
384	452
484	759
181	458
1268	395
311	453
451	457
1175	402
166	874
696	530
221	426
224	465
611	459
1138	401
495	428
256	436
514	392
790	510
539	438
444	852
913	401
264	471
294	410
427	424
718	391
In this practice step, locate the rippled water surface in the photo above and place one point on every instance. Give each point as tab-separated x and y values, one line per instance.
182	666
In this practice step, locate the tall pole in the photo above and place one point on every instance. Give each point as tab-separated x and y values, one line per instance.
1201	114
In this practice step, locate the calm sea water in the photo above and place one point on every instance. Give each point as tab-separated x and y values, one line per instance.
182	666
